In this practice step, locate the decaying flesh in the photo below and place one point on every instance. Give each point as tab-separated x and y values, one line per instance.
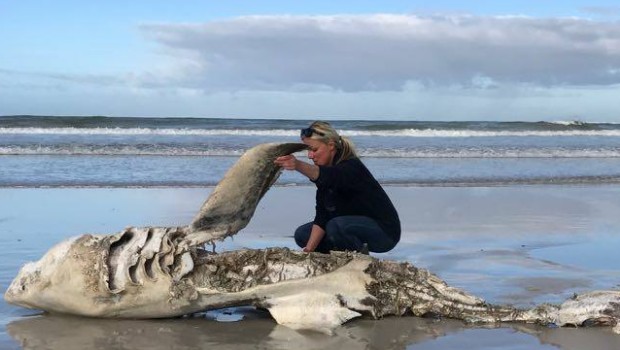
157	272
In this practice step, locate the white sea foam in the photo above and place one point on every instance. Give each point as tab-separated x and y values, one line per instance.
145	131
164	150
286	132
493	153
482	133
569	122
123	150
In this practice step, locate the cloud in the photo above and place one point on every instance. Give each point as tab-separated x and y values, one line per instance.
386	52
602	10
41	78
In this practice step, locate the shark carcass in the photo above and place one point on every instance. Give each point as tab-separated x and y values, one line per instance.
159	272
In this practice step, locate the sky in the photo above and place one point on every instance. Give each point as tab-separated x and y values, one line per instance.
385	60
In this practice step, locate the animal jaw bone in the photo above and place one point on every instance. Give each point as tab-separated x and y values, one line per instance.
156	272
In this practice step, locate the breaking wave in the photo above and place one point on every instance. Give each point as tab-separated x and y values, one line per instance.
295	133
148	149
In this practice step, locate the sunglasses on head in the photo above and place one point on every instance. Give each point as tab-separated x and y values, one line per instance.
307	132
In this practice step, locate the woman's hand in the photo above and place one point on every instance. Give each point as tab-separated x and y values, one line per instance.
291	163
287	162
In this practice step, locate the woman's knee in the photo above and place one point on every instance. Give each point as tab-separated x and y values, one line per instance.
302	234
351	232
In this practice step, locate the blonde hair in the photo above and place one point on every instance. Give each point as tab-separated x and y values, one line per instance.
344	145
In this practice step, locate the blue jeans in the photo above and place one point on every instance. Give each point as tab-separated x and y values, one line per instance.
348	233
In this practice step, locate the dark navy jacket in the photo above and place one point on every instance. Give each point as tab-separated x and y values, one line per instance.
348	188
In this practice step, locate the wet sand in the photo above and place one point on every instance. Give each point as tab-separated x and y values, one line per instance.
519	245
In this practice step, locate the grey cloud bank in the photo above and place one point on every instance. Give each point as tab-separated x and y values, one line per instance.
442	67
385	52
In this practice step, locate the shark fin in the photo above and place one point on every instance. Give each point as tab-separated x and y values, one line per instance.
313	310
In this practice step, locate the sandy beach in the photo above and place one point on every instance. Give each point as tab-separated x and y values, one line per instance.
519	245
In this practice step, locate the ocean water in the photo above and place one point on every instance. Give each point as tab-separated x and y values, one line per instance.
40	151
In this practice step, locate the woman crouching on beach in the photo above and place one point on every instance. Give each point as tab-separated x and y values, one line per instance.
353	212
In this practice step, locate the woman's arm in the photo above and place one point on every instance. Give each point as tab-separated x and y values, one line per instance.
316	235
289	162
